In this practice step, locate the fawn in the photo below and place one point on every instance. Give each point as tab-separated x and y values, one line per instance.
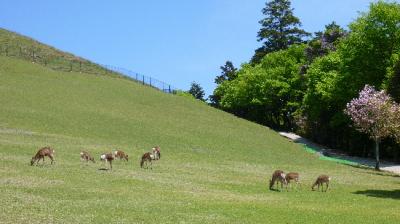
278	176
45	151
292	176
107	157
120	154
85	156
320	182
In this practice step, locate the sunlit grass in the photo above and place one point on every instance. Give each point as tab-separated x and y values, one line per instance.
214	167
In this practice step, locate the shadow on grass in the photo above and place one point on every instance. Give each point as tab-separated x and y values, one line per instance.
373	171
276	190
394	194
104	169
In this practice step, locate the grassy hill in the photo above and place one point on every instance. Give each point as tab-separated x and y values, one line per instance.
18	46
214	167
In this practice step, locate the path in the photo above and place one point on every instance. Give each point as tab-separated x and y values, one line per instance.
387	166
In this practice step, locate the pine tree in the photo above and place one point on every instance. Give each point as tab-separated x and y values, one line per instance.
197	91
228	73
279	29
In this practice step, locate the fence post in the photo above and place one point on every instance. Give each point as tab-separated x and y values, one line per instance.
80	66
150	81
143	79
20	51
6	50
169	88
70	66
137	77
33	55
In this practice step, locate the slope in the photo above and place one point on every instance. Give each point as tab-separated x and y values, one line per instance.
214	166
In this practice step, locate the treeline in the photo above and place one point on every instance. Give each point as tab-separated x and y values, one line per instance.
301	82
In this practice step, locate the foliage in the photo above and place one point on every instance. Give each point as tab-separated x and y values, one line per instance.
372	113
364	56
196	91
325	42
228	73
268	92
279	29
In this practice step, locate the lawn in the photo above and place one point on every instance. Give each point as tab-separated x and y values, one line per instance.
214	167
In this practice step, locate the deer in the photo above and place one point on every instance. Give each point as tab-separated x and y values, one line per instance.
85	156
292	176
150	156
320	182
120	154
45	151
107	157
278	176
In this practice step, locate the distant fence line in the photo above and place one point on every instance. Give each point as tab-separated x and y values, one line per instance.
68	63
145	80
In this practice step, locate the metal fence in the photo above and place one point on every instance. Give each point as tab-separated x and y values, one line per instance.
145	80
60	61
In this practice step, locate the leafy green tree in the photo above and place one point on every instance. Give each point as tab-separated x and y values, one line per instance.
392	83
269	92
279	29
197	91
363	57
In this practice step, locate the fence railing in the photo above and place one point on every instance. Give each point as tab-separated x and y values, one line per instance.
53	59
143	79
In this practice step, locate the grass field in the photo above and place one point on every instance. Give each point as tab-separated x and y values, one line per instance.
214	167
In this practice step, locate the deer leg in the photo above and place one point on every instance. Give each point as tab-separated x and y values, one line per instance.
110	164
52	160
327	185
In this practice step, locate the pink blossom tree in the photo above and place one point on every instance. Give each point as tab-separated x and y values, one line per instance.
372	113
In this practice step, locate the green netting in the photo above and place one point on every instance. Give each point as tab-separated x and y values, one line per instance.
326	158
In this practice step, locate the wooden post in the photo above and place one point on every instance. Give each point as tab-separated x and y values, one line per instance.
143	79
150	81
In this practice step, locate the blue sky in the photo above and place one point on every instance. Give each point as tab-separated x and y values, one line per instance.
176	41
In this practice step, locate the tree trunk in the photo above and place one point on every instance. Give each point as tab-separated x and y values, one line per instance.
377	140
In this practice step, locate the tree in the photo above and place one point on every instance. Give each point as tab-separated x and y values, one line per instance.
269	92
228	73
371	113
279	29
325	42
197	91
364	56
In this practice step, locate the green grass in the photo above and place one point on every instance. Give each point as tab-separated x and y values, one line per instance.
214	166
22	47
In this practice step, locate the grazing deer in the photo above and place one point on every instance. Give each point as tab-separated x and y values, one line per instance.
107	157
320	181
150	156
292	176
156	153
85	156
121	155
45	151
278	176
